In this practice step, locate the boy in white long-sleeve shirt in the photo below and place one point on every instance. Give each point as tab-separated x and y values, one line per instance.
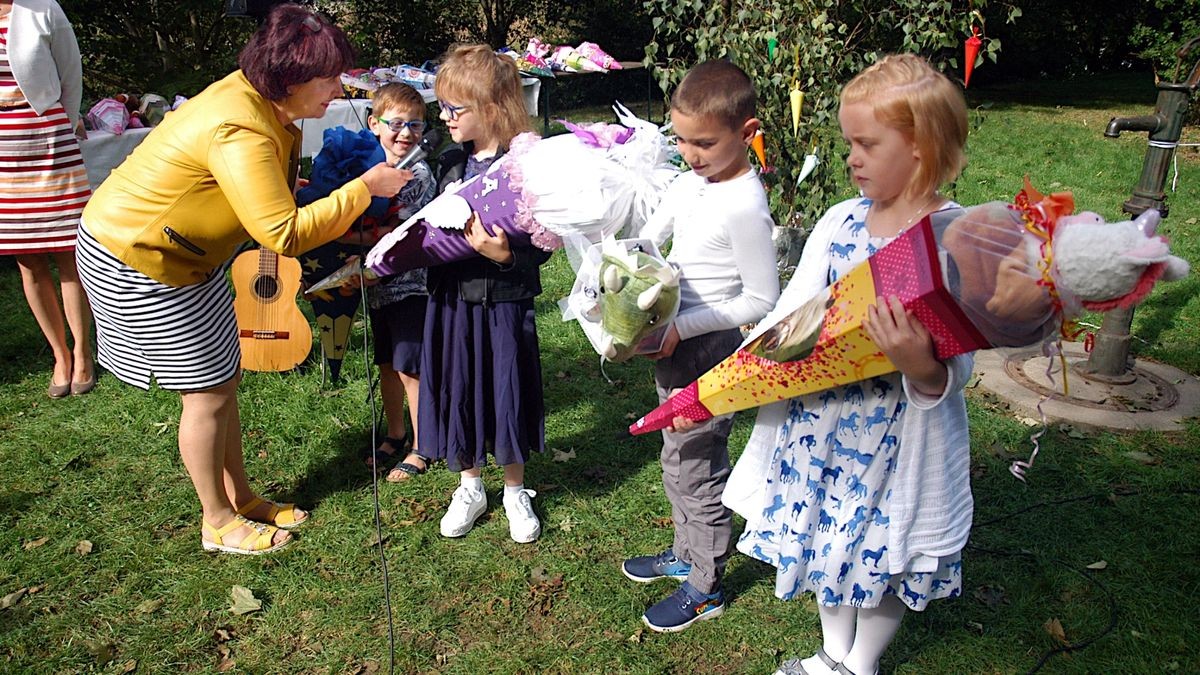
722	246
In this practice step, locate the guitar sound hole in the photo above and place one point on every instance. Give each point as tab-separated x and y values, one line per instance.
266	287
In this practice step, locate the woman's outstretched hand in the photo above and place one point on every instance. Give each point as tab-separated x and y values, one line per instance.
384	181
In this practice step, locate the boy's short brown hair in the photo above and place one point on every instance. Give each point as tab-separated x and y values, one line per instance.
397	96
716	89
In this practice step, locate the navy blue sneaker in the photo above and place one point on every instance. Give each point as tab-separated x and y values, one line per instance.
646	568
683	608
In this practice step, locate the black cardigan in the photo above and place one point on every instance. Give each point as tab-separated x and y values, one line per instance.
482	280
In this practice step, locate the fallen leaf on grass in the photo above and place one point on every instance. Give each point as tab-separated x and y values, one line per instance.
560	456
225	634
562	374
150	606
975	626
664	521
376	540
13	598
367	668
566	524
101	650
632	416
163	427
244	601
84	547
1098	565
973	382
1072	431
129	666
1144	458
35	543
1055	629
636	638
991	595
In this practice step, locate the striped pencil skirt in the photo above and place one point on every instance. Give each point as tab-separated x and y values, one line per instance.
185	338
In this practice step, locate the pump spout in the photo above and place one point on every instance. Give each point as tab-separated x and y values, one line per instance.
1148	123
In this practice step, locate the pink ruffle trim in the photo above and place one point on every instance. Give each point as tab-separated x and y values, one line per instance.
538	234
1144	285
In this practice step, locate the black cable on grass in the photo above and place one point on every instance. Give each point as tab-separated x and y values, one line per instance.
387	586
1113	608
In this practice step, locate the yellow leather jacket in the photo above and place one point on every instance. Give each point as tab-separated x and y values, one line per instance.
215	172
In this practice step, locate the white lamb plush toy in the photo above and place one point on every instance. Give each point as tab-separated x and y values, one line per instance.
1109	265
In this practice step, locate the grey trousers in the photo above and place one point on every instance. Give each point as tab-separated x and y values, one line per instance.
695	463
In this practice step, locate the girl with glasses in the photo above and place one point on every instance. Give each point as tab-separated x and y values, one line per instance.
481	374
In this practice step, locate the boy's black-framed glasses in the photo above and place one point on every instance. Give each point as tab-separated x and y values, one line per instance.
452	111
398	125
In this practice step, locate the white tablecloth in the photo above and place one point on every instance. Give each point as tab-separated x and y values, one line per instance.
103	151
352	114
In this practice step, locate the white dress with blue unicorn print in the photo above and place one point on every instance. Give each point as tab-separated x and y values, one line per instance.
825	524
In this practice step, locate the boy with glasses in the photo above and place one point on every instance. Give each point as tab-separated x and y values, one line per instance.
397	304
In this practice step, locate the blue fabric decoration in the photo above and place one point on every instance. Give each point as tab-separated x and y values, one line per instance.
344	156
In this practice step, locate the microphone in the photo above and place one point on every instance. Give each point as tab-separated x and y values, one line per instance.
426	147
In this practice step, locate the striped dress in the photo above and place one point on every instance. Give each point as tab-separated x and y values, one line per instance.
43	183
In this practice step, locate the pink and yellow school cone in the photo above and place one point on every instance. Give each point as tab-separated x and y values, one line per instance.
842	352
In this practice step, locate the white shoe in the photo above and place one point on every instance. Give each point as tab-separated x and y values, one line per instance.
523	523
466	506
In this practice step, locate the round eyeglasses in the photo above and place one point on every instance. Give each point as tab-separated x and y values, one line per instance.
397	125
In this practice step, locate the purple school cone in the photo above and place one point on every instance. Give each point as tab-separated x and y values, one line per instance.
493	195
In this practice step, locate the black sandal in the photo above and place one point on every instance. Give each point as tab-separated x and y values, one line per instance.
380	459
406	470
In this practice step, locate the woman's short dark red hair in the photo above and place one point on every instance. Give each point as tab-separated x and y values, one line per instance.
294	45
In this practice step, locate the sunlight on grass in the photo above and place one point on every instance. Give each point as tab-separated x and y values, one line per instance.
105	468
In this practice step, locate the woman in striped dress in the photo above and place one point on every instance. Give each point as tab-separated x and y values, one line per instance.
43	184
157	237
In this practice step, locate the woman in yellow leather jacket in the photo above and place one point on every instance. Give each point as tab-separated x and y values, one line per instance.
158	234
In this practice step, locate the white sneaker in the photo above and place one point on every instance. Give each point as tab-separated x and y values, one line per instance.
466	506
523	523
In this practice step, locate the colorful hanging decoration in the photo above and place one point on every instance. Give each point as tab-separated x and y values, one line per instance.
796	95
760	148
971	52
797	98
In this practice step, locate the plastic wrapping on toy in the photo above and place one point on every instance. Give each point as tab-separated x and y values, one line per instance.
623	315
109	115
991	265
590	185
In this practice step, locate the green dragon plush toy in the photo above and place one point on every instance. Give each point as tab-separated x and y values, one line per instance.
639	295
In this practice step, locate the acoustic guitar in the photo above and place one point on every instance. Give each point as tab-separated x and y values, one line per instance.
274	333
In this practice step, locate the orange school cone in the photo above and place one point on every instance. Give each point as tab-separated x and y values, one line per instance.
971	52
760	148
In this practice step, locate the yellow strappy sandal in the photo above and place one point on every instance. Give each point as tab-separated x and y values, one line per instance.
282	516
252	544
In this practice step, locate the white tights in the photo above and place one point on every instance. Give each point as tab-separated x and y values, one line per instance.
855	637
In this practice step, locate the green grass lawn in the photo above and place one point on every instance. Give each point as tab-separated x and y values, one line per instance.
104	468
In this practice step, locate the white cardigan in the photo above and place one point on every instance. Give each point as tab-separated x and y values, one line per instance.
931	500
44	56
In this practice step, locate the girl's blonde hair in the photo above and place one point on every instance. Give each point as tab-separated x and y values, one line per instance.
489	84
908	95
